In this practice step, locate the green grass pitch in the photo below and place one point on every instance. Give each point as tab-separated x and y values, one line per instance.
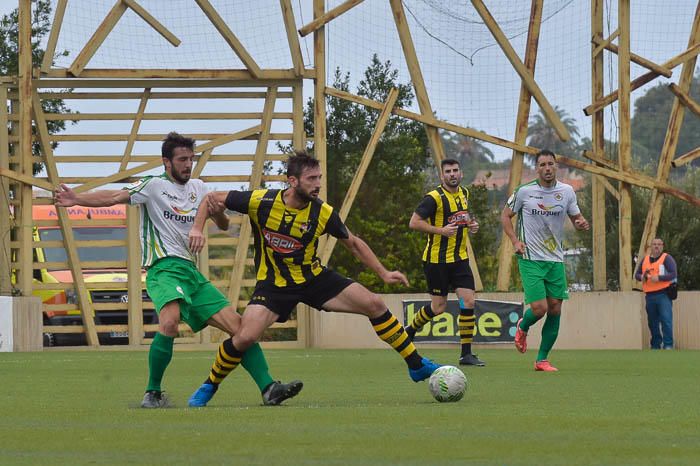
357	408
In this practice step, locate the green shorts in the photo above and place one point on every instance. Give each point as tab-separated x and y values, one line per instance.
543	279
173	278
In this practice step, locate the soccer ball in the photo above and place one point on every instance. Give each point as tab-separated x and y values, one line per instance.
447	383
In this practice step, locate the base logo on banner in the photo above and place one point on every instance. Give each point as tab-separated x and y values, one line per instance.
495	321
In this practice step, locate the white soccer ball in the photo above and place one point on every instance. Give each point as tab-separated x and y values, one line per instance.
447	383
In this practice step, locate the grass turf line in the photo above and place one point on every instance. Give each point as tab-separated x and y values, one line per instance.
357	407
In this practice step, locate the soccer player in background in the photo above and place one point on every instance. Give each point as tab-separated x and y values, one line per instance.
178	290
542	206
444	216
287	224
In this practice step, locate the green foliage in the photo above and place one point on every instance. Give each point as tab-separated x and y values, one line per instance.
9	61
651	115
541	134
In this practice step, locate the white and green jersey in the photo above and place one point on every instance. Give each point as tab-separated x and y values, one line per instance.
167	214
541	215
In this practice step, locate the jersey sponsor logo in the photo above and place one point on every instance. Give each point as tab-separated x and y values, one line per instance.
179	211
548	211
180	218
459	218
281	243
169	196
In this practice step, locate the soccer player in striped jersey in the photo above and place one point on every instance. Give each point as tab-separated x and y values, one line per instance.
169	203
542	206
444	216
287	225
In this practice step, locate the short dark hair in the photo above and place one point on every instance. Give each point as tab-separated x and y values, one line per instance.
298	161
174	140
544	153
444	162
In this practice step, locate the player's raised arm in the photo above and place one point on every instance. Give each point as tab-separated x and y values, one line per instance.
196	234
66	197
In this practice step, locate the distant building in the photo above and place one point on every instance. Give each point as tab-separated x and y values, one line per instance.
498	179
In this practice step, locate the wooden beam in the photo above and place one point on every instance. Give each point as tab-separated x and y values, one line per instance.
119	176
27	179
25	276
292	38
60	11
650	65
330	15
154	23
608	186
590	155
320	129
116	79
668	150
686	158
134	282
6	222
86	309
158	116
624	147
229	37
201	162
362	168
688	54
135	129
409	52
298	138
603	44
522	70
431	121
631	178
98	37
685	98
505	248
243	134
239	262
155	95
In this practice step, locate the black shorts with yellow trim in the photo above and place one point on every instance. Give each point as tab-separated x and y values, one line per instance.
441	277
316	292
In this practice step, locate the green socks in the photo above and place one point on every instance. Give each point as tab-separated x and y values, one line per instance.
159	357
550	331
529	318
254	362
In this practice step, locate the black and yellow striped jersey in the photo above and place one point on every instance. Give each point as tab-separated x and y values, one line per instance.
439	208
286	239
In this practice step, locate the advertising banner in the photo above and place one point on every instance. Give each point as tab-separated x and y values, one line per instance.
495	321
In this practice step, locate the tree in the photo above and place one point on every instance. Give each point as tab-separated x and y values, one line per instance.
651	114
9	61
541	133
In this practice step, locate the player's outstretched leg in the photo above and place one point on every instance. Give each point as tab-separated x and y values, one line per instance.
227	359
391	332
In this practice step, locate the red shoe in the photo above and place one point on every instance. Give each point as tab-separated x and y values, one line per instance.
520	338
545	366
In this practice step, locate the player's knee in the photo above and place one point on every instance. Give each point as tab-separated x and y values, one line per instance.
438	308
168	327
245	339
376	306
